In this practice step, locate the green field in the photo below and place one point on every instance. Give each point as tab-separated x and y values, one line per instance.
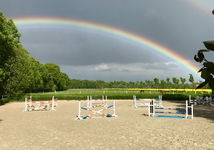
81	94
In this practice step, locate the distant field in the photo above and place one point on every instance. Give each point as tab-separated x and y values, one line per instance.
81	94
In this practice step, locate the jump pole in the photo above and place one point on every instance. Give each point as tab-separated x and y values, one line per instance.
188	110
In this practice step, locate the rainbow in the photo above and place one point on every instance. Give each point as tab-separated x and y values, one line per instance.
110	30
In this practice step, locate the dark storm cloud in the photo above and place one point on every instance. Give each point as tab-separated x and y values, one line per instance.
174	24
179	26
71	47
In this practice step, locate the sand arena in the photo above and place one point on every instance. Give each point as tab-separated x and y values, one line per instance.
132	129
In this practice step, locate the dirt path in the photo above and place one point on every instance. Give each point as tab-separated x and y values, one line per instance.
58	130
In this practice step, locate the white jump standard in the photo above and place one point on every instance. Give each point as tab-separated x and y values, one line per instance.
92	112
184	113
40	105
137	102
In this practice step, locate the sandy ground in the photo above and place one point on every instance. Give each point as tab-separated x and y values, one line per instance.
131	130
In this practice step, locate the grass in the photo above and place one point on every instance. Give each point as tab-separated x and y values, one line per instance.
81	94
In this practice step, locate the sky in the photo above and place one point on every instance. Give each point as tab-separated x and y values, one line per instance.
179	25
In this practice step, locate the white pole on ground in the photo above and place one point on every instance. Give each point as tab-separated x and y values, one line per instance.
26	104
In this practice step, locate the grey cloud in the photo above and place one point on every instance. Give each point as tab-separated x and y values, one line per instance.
130	72
176	24
179	26
74	47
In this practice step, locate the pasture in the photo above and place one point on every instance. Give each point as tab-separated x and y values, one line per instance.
121	93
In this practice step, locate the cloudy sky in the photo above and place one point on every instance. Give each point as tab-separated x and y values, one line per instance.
180	25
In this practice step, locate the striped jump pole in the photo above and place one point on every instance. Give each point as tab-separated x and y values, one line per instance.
79	112
188	111
40	105
79	117
92	112
137	102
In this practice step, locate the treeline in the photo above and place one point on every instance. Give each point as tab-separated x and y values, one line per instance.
20	73
155	83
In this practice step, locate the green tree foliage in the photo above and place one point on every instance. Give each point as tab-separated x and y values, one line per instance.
183	80
17	78
78	84
9	39
156	82
191	79
53	78
163	84
175	81
20	73
168	82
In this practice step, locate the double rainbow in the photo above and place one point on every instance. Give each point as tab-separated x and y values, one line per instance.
110	30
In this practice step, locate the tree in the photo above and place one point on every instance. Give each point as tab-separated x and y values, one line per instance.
9	38
191	79
163	84
175	81
169	84
17	74
156	82
183	80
